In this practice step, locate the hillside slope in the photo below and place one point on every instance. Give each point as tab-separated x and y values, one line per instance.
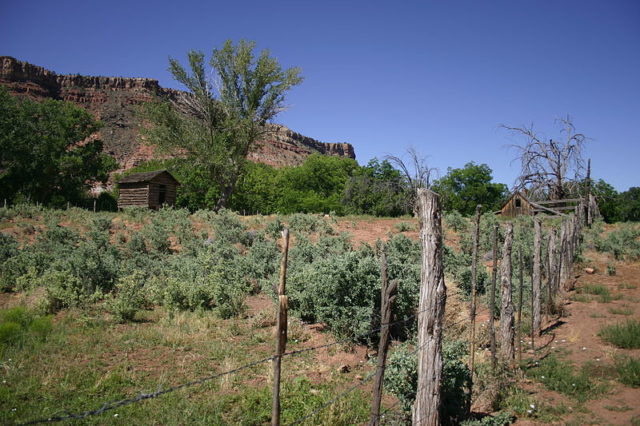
115	100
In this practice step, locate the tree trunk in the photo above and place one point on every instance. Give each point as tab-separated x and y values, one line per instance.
433	295
537	240
506	311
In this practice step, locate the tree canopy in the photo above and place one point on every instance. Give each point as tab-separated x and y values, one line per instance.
464	188
45	154
218	120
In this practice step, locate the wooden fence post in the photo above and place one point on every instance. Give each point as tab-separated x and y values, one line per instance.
589	213
281	330
387	296
474	283
492	298
433	295
520	294
535	282
506	309
552	274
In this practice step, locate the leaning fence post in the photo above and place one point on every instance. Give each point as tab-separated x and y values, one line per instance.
474	283
387	296
281	333
433	295
492	299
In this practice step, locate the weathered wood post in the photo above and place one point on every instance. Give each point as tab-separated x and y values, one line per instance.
520	294
281	330
589	212
492	298
387	296
506	309
552	275
433	295
474	283
94	205
536	281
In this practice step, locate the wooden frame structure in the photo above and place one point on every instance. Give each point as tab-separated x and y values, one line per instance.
149	189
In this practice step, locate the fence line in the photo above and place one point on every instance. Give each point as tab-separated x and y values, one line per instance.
571	244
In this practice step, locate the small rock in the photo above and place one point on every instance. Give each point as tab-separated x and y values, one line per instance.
344	369
314	391
358	377
590	271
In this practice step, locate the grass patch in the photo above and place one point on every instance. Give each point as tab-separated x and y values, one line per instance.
618	409
524	405
621	311
628	370
624	335
582	298
627	286
595	289
559	376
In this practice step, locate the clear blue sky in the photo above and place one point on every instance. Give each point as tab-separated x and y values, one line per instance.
383	76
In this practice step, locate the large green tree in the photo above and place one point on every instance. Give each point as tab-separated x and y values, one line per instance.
224	112
462	189
45	153
378	189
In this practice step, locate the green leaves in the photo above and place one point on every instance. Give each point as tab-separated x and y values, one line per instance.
44	152
216	129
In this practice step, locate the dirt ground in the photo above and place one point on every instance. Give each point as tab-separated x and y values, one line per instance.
575	338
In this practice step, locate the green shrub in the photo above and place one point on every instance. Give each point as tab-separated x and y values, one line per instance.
403	227
63	290
401	379
622	243
502	418
456	221
611	269
628	370
304	223
625	335
129	297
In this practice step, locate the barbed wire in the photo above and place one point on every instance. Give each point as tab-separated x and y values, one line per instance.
144	396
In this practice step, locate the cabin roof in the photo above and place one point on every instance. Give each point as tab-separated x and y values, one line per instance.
145	177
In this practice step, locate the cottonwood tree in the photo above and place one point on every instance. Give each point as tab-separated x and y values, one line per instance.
549	168
224	111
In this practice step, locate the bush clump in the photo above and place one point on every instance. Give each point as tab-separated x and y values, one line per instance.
401	378
19	326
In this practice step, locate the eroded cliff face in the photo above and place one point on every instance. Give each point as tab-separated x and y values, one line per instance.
115	101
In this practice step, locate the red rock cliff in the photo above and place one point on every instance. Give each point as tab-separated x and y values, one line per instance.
114	101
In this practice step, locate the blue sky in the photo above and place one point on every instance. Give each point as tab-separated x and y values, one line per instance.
384	76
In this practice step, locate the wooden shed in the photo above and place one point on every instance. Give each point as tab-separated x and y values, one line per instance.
148	189
517	205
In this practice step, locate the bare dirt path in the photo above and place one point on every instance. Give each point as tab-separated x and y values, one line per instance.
575	338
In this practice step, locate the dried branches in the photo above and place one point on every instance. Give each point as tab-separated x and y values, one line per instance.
549	169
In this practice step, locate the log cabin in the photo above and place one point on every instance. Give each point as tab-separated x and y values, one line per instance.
148	189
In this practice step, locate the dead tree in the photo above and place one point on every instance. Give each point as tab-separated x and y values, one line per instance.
549	169
416	172
535	284
506	310
433	295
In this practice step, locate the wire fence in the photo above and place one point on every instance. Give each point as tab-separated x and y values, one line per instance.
143	396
